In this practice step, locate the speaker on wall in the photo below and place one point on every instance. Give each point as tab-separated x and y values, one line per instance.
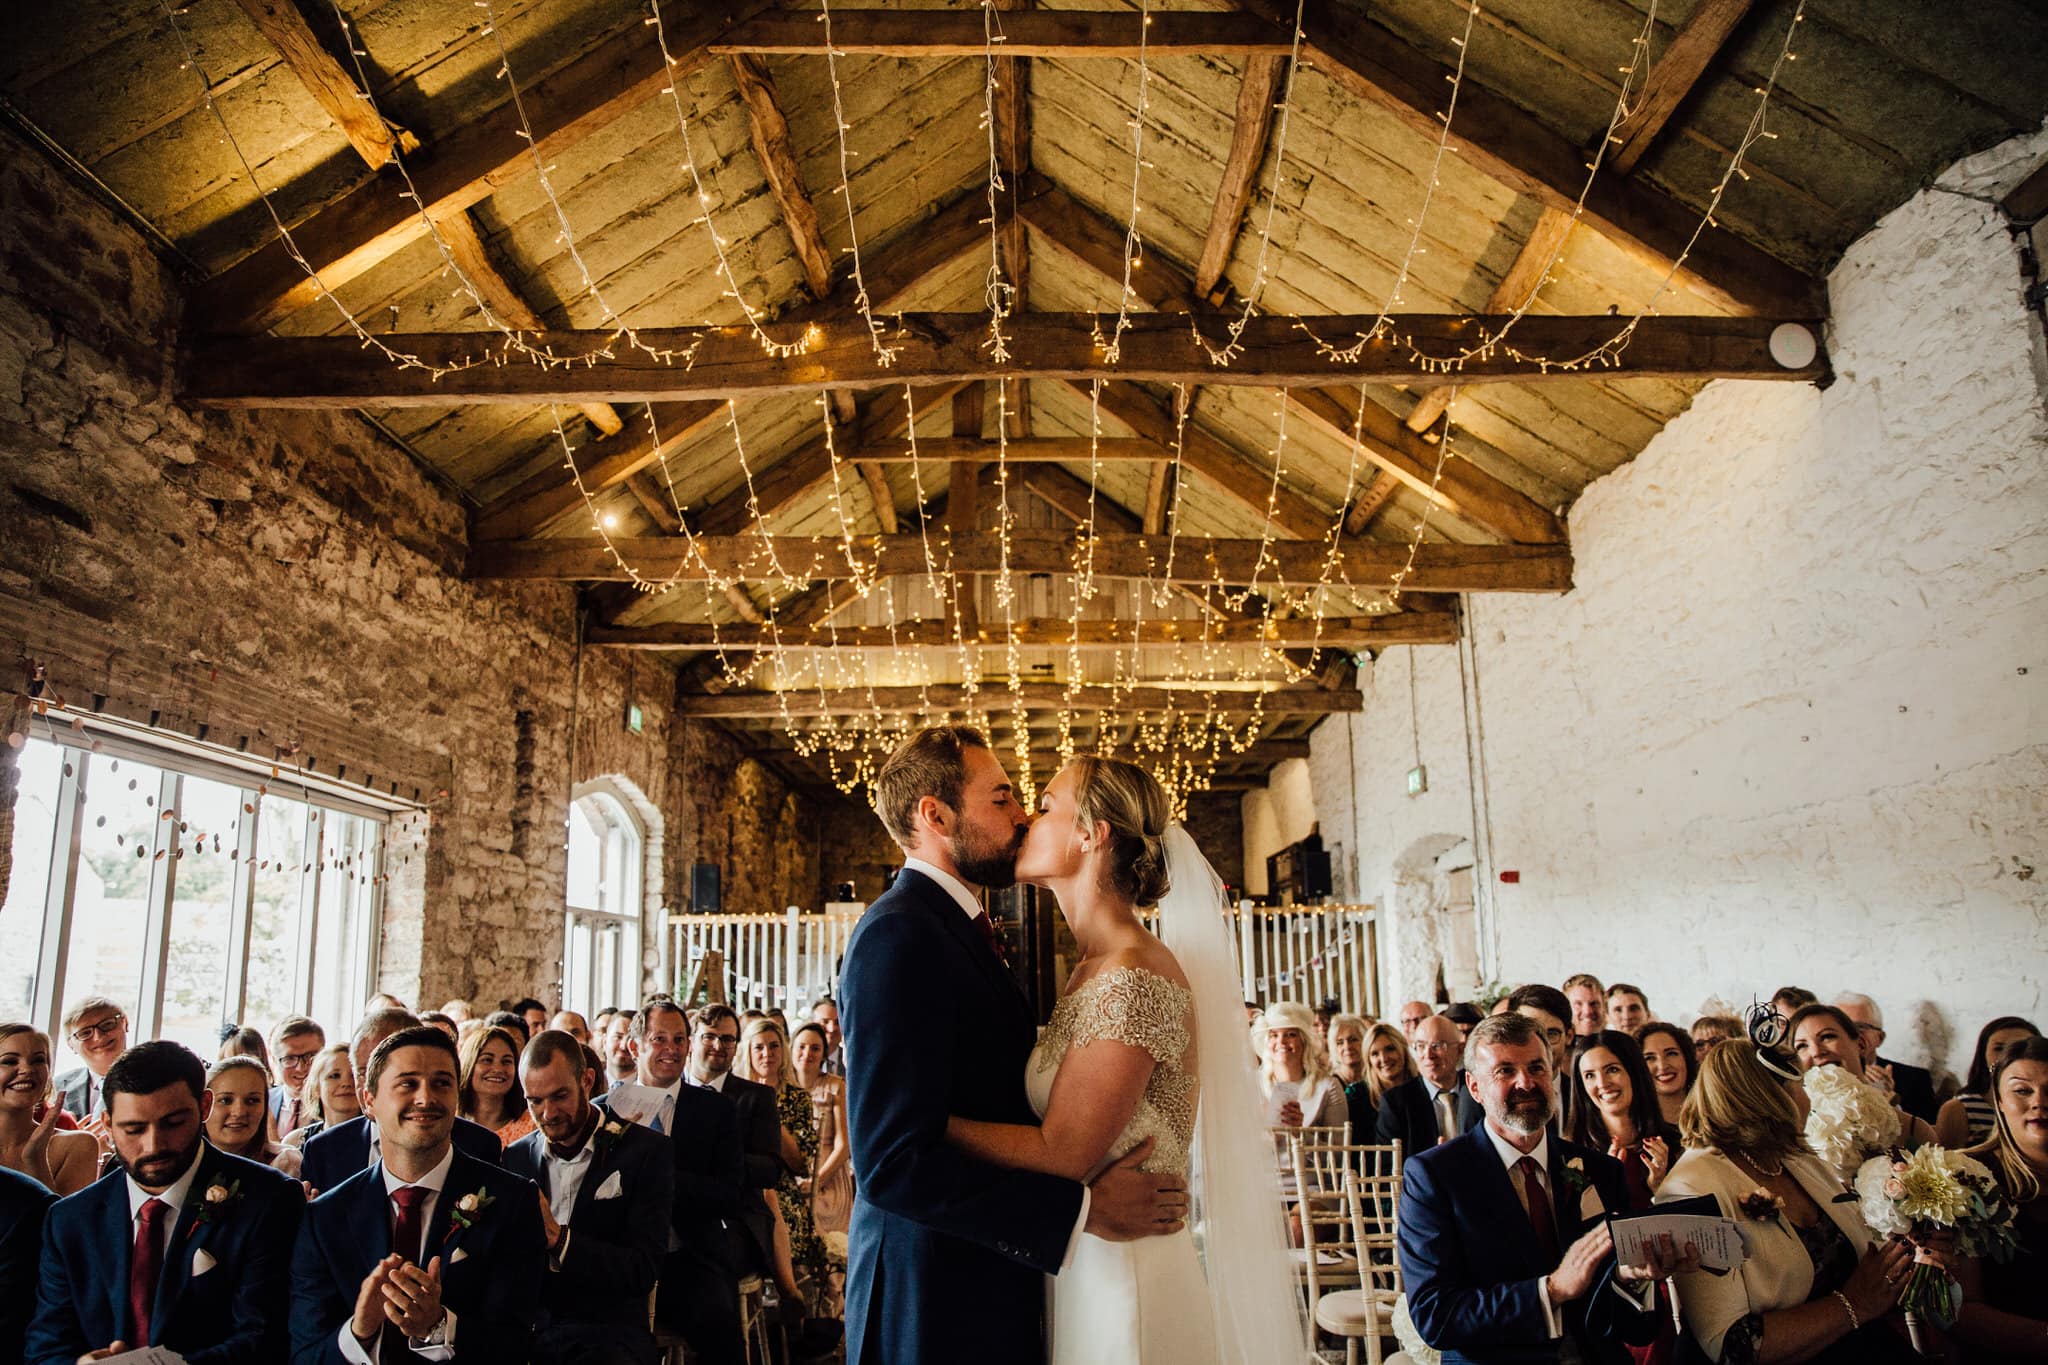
704	888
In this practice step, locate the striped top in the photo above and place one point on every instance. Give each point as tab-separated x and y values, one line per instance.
1983	1117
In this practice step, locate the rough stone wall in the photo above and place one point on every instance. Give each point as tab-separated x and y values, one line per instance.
304	551
853	847
1791	723
1216	820
737	813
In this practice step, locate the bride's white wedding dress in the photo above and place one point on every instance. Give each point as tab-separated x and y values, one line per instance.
1145	1301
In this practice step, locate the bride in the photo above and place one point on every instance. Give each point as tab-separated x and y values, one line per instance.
1122	1062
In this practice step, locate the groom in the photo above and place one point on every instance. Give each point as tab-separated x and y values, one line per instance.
946	1254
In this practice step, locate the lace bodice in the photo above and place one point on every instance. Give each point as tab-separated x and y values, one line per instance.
1143	1009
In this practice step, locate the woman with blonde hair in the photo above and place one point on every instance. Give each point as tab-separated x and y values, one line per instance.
329	1097
1346	1036
1301	1091
764	1059
1816	1284
2003	1308
30	1141
238	1121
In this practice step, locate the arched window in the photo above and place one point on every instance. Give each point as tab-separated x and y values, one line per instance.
601	949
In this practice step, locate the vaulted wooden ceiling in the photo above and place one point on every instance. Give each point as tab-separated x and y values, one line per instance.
1243	473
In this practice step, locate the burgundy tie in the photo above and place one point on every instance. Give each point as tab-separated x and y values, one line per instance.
146	1268
291	1116
411	1228
988	931
1540	1215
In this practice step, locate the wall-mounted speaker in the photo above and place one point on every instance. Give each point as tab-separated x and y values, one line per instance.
704	896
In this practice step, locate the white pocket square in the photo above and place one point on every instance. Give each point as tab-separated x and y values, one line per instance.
461	1254
611	1189
202	1262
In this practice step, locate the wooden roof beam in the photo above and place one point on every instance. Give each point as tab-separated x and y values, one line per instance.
861	701
1026	32
1686	58
1333	633
1255	96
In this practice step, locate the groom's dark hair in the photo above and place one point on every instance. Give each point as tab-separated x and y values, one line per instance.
931	763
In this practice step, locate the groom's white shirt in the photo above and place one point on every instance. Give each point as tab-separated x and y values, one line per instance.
971	907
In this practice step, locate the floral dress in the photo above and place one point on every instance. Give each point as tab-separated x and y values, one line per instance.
806	1248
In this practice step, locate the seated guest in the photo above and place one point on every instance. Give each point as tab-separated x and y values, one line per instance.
620	1064
1621	1116
832	1180
62	1162
1789	1000
825	1014
1911	1087
1587	999
1294	1074
242	1041
293	1046
1465	1015
1815	1284
1412	1014
1970	1119
1346	1037
714	1044
606	1190
599	1084
2005	1316
1668	1054
238	1121
1502	1241
1552	1012
532	1014
490	1083
1436	1105
24	1204
764	1058
429	1250
443	1023
459	1011
1628	1009
1709	1029
187	1248
571	1023
329	1095
1823	1035
384	1000
700	1274
511	1021
342	1149
97	1030
1389	1062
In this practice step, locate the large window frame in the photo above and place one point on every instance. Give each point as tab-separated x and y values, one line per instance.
602	944
340	901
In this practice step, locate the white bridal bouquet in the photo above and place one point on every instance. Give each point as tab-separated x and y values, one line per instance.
1849	1122
1931	1192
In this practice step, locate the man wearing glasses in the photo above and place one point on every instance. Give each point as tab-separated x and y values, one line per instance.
1436	1105
97	1030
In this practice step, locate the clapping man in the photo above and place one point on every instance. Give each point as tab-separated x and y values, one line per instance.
606	1189
187	1248
293	1046
1436	1105
1503	1240
97	1030
430	1251
334	1154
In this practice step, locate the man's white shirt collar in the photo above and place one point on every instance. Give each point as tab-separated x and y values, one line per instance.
175	1196
1511	1157
581	1154
715	1082
434	1181
955	888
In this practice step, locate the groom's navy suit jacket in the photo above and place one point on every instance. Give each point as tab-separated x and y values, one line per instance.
947	1255
1470	1259
227	1309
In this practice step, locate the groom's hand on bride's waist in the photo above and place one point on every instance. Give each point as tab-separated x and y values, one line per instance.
1125	1203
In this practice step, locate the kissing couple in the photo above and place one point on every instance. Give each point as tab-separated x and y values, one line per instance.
1024	1196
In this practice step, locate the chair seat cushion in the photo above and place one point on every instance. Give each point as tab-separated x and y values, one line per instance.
1344	1312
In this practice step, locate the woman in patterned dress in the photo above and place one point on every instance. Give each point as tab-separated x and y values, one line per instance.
764	1059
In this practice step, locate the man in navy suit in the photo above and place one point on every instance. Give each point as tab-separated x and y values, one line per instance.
334	1154
714	1043
1436	1105
606	1187
1504	1244
24	1203
184	1247
430	1253
947	1255
294	1043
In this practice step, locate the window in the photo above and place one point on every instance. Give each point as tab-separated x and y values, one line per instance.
601	946
181	886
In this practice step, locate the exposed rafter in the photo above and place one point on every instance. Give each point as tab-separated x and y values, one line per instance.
1067	34
1685	59
860	701
1347	633
1255	94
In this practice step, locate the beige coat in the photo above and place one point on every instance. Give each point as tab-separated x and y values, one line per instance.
1776	1271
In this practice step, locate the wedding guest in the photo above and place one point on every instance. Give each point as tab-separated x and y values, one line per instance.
617	1048
294	1043
1970	1119
832	1180
1710	1029
1346	1040
186	1248
63	1162
1621	1116
1587	1001
598	1083
1911	1087
1823	1035
532	1015
796	1241
24	1205
242	1041
1789	1000
1436	1105
606	1191
571	1023
512	1022
1295	1072
1552	1012
1667	1052
1628	1009
661	1038
427	1251
1502	1244
97	1030
490	1083
238	1121
459	1011
445	1024
1465	1015
1389	1063
329	1097
339	1150
714	1043
1413	1013
2005	1316
1815	1283
384	1000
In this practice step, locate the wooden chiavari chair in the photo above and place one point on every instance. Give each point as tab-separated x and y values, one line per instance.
1354	1296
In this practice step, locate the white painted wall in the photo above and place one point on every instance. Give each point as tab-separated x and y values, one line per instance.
1791	725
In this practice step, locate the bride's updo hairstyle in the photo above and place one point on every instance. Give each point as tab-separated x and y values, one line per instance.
1134	806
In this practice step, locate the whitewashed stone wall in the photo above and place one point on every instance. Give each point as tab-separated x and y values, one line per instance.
1792	723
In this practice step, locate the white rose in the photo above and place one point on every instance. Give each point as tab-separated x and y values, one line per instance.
467	1203
216	1194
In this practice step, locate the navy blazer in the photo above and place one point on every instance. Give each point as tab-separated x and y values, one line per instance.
335	1153
24	1203
231	1312
946	1254
704	1141
760	1127
1471	1262
1913	1089
1407	1114
490	1272
616	1244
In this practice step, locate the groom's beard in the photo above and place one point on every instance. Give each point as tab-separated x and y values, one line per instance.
984	862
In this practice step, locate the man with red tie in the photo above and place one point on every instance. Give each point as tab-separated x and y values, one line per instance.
187	1248
293	1046
429	1254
